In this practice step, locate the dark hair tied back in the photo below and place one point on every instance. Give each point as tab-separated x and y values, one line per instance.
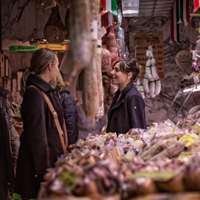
127	66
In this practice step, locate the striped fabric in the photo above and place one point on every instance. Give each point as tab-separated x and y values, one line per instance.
174	25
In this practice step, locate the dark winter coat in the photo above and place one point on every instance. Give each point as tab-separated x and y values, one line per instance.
70	115
40	141
9	145
128	112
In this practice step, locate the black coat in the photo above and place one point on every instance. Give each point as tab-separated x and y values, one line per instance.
40	141
9	144
70	115
128	112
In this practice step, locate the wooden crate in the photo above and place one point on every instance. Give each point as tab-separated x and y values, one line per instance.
41	196
169	196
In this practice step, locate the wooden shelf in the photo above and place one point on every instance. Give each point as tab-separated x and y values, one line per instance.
194	50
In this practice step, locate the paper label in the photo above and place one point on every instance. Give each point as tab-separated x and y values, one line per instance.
99	45
94	29
149	53
196	79
189	138
197	127
68	178
156	176
103	31
186	154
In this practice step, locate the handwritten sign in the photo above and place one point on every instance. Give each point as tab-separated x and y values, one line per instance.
23	48
143	40
55	47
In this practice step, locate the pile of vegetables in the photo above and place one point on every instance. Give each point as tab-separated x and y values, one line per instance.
139	162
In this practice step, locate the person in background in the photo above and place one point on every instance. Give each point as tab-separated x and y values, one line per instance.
40	141
86	126
128	108
70	109
9	145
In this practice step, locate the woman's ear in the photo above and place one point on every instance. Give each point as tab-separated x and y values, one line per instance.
130	74
50	66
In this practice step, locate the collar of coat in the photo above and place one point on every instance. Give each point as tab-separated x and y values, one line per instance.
3	92
125	90
38	82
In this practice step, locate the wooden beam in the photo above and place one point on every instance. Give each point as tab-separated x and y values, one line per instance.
194	50
195	14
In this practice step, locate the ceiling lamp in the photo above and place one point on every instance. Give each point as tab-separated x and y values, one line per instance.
130	8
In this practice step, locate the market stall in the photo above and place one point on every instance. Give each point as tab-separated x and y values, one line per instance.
159	162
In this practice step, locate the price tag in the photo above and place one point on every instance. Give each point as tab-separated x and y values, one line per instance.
163	176
68	178
186	154
189	138
99	45
94	29
197	127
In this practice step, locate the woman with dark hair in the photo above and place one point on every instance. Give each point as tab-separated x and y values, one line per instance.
128	108
40	141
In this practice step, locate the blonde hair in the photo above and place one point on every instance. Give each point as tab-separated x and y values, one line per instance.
59	82
39	62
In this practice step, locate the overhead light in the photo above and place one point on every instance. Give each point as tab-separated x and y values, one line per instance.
129	12
130	8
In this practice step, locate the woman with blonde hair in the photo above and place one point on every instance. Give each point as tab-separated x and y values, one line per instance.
69	108
40	141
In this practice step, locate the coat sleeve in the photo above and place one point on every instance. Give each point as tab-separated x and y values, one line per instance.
71	117
14	139
35	133
136	112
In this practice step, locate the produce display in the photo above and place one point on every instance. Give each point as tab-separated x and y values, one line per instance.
163	158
